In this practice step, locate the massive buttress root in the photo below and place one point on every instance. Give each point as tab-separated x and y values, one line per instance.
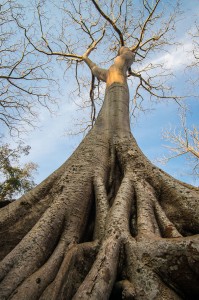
89	242
106	225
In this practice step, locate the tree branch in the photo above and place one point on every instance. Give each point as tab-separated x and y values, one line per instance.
111	22
144	26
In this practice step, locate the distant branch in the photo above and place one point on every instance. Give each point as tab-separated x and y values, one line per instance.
110	21
143	29
50	52
150	88
185	141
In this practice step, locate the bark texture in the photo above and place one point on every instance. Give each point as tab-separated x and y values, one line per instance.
108	224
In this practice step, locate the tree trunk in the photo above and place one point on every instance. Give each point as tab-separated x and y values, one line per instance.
107	224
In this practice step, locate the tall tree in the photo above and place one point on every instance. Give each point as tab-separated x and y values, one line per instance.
107	223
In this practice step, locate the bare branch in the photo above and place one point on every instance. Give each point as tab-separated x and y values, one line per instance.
110	21
184	141
24	77
143	29
50	52
93	45
146	85
118	21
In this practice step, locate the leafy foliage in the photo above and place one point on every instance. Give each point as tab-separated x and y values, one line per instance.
14	178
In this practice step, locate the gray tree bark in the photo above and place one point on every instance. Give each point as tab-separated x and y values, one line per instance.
108	224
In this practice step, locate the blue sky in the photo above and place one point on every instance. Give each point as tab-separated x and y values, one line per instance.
51	144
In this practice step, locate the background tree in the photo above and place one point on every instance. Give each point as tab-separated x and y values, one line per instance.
195	51
15	179
183	141
107	223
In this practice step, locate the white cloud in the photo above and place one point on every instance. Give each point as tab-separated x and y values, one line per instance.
178	58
